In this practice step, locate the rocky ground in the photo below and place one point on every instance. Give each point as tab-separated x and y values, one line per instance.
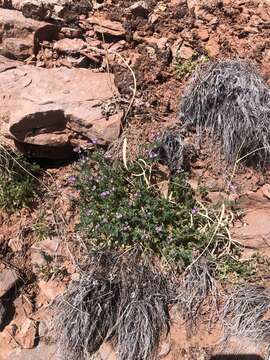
76	74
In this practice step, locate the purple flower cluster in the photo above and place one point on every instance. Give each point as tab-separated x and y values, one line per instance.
152	154
194	210
108	156
157	136
233	188
126	228
94	141
71	180
107	193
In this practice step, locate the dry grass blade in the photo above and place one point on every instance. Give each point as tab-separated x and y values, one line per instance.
229	99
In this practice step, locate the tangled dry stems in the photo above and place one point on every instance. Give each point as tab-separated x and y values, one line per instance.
118	298
230	100
243	313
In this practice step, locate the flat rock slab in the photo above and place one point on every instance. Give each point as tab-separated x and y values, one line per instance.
47	112
8	279
41	352
27	334
253	232
107	27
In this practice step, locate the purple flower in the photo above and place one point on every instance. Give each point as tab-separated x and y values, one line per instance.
94	141
78	149
152	154
233	188
97	226
108	156
71	180
88	211
194	210
157	136
105	193
158	228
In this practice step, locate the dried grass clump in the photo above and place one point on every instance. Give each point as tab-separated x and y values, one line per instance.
198	286
244	312
171	149
174	151
119	298
230	100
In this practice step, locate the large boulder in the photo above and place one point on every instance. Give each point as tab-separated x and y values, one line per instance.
21	37
49	112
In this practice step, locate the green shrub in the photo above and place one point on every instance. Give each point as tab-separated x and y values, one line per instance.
18	181
123	208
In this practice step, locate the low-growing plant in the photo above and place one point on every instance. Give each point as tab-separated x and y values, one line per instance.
234	266
41	230
51	268
122	207
18	182
184	67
